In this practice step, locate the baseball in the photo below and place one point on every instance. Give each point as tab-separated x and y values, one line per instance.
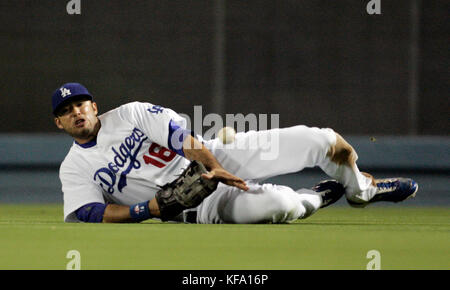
226	135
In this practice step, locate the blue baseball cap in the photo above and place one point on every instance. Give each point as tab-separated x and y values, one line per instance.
67	92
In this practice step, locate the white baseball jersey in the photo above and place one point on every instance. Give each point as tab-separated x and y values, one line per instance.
126	163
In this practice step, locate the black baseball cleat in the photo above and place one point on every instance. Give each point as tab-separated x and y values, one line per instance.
394	189
330	191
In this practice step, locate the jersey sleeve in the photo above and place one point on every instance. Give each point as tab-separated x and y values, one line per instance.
161	125
78	191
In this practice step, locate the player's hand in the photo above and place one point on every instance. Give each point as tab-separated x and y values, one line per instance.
224	176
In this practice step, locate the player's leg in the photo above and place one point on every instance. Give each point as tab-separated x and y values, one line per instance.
362	188
266	203
340	163
263	154
258	155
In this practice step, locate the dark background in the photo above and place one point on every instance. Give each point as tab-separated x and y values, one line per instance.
319	63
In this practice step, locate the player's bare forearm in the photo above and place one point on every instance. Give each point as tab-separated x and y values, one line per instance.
195	150
115	213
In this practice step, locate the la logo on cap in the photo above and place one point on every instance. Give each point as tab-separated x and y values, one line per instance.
65	92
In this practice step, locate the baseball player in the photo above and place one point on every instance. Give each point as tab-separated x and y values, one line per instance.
139	161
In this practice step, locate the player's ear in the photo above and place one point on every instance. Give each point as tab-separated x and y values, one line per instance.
94	106
58	123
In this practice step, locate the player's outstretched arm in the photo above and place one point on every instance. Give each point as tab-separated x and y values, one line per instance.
115	213
195	150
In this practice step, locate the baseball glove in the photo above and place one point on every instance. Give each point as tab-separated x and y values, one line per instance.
186	191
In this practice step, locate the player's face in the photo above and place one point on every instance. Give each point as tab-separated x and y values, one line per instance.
79	119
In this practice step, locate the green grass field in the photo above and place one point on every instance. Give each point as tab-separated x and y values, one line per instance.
34	237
